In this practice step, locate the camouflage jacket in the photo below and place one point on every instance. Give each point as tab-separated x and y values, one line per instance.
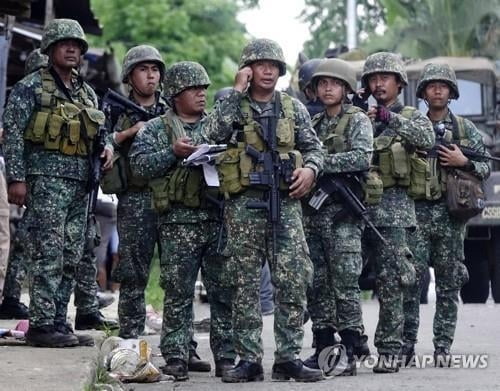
219	127
151	156
24	158
396	208
481	169
358	140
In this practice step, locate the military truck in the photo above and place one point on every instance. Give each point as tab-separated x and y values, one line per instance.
479	102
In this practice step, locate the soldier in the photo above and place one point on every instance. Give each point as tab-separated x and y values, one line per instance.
334	236
313	104
397	130
189	224
137	221
239	121
439	239
51	121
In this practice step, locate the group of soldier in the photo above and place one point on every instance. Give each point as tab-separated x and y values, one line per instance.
51	124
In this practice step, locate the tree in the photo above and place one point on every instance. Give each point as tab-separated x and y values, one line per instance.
327	21
428	28
205	31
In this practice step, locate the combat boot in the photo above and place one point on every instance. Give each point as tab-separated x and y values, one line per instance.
296	370
48	337
350	339
94	321
13	309
387	363
245	371
324	337
361	349
196	364
442	357
407	355
223	365
177	368
83	339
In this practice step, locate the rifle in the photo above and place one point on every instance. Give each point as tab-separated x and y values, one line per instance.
328	185
219	204
274	169
120	103
439	130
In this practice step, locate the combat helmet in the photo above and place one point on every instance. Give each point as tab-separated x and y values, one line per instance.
138	54
35	61
183	75
438	72
263	49
306	72
60	29
383	62
222	93
337	68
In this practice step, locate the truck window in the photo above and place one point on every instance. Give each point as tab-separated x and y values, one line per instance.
469	103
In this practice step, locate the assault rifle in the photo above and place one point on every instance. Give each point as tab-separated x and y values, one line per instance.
120	103
340	186
274	169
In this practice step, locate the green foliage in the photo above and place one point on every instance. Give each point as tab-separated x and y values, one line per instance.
154	293
428	28
327	21
205	31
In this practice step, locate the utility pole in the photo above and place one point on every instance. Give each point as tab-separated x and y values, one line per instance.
5	41
49	11
352	36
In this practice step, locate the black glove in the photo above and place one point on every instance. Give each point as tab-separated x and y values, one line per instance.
383	115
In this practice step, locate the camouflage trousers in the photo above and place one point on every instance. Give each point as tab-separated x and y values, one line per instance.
438	242
335	245
390	278
138	233
56	214
291	271
17	268
187	247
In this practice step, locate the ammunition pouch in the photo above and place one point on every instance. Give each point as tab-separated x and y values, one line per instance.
393	161
373	187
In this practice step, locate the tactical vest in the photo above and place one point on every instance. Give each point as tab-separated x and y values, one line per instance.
60	125
428	179
336	142
181	185
235	165
394	165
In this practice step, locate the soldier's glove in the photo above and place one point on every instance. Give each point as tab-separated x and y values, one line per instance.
383	115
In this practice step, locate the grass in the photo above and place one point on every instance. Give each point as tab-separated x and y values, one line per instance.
100	380
154	293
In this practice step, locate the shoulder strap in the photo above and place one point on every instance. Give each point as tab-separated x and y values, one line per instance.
47	91
317	118
287	105
173	125
458	127
345	119
408	111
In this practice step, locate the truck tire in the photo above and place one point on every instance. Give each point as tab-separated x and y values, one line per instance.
476	261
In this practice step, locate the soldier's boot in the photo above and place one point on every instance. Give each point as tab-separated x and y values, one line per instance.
296	370
407	355
223	365
387	363
177	368
48	337
324	337
95	321
12	308
105	299
245	371
83	339
196	364
361	350
442	357
350	339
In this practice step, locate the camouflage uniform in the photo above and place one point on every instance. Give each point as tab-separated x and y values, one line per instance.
248	231
187	235
439	239
395	215
57	196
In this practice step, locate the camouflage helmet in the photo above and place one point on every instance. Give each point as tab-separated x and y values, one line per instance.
60	29
306	71
263	49
183	75
383	62
438	72
138	54
337	68
35	61
222	93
